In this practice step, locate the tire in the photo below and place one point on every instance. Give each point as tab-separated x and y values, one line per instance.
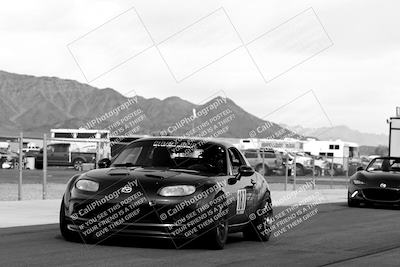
318	171
253	231
263	171
299	170
77	163
65	232
216	237
352	203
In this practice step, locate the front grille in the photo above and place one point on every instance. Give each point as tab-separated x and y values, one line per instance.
378	194
147	213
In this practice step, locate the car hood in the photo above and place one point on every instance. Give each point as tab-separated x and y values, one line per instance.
391	179
149	180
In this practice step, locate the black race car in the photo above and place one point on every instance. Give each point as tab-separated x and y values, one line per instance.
379	183
180	189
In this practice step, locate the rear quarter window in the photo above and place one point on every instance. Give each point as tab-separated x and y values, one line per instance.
269	155
250	155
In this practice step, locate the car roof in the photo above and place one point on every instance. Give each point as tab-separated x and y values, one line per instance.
266	150
196	139
60	143
397	158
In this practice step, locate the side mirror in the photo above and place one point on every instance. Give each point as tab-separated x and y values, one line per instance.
104	163
245	170
41	151
360	168
232	180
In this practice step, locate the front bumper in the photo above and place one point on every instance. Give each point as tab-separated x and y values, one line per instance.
136	229
161	217
385	196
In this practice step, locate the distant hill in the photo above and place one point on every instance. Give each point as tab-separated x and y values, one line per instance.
374	150
34	105
341	132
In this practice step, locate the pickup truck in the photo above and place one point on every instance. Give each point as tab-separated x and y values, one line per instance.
62	154
304	163
271	160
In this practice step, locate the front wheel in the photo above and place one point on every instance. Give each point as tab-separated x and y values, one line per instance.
78	164
217	236
65	232
259	229
299	170
318	171
352	203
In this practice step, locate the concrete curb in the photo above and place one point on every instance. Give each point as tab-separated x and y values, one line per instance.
29	212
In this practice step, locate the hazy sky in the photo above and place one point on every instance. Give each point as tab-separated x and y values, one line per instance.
194	49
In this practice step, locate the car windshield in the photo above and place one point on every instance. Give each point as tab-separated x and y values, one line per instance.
176	155
384	164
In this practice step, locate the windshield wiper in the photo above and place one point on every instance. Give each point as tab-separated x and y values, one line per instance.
127	164
183	170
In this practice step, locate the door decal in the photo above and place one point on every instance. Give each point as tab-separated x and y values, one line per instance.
241	201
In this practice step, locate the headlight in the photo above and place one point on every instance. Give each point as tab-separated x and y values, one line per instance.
358	182
87	185
177	190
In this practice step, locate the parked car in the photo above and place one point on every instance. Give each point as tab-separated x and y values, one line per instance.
305	162
338	169
8	159
364	161
321	166
265	162
62	154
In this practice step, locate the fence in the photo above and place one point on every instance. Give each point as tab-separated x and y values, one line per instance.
86	153
288	172
291	169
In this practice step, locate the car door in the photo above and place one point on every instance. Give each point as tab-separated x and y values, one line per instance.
243	190
252	157
50	155
60	155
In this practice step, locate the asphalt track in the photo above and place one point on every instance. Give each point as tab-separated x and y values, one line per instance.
335	236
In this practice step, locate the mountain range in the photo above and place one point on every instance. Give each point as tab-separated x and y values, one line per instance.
35	105
341	132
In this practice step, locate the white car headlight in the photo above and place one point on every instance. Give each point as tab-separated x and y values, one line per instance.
177	190
87	185
358	182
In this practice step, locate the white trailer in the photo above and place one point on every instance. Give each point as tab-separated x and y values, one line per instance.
339	150
287	144
4	146
84	140
394	137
